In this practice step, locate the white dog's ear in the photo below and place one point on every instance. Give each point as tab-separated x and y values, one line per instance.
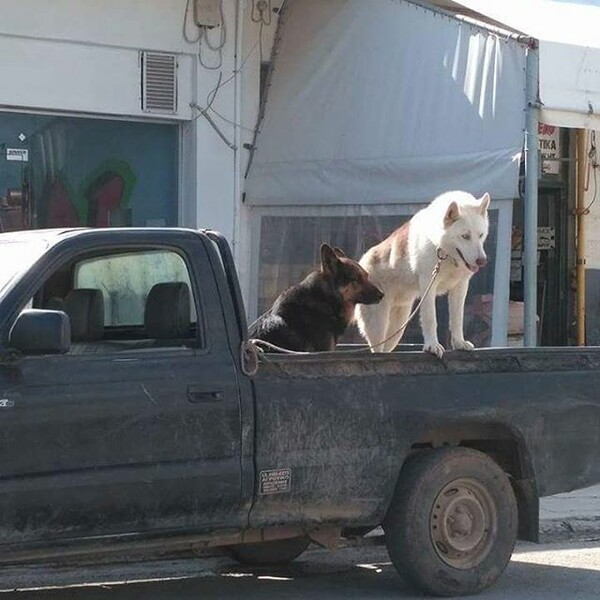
452	214
339	252
485	203
329	260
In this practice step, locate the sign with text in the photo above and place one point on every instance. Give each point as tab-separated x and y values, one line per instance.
549	146
17	154
275	481
546	238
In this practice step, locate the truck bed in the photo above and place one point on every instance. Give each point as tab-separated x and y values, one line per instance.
344	422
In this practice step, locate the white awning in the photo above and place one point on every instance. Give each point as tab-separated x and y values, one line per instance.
386	102
569	36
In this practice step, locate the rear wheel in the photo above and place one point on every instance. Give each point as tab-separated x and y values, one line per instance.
276	552
452	525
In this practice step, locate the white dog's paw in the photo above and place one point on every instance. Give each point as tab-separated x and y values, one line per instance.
462	345
434	348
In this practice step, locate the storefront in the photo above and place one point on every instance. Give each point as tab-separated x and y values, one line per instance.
127	119
70	172
358	137
564	207
556	243
114	114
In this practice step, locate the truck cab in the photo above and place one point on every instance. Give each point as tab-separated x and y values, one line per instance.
136	424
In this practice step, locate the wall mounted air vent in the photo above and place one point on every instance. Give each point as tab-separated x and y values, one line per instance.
159	82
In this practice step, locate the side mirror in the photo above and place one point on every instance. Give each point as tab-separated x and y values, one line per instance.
41	332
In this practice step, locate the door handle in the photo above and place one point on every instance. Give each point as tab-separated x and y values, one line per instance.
196	395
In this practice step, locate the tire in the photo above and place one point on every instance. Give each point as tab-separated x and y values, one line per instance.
452	524
276	552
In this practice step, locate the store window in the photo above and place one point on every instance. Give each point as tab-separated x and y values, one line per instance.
72	172
289	249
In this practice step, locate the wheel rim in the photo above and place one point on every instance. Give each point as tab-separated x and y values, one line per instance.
463	523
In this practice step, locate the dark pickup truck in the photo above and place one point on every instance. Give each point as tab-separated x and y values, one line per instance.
135	414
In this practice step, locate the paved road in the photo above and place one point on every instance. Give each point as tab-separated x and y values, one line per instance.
549	572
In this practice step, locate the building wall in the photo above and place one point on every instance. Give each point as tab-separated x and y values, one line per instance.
82	58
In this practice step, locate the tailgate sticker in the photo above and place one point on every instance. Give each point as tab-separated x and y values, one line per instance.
275	481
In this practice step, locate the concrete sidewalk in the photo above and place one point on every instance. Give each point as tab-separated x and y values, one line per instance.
571	515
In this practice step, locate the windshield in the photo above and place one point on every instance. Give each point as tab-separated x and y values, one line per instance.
16	257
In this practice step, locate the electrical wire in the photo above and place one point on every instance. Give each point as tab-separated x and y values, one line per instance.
218	114
215	47
223	32
202	61
203	38
262	12
185	19
587	208
260	6
593	164
212	94
239	70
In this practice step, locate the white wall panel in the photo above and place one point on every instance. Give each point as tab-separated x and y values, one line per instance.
148	24
51	75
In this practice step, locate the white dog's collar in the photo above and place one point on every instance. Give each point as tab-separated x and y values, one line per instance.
443	255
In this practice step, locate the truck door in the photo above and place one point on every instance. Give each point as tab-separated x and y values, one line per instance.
137	428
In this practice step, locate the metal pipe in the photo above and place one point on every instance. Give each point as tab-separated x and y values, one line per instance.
237	131
531	193
581	212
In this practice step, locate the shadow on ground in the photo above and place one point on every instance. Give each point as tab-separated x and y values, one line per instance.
536	573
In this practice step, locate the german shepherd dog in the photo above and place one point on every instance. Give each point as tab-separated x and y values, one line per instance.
312	315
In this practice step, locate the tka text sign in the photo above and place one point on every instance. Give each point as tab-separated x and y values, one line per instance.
549	146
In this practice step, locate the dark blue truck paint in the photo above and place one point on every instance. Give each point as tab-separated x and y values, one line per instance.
182	446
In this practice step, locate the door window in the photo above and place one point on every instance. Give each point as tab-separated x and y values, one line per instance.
127	279
125	300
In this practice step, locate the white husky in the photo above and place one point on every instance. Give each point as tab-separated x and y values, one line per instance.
454	227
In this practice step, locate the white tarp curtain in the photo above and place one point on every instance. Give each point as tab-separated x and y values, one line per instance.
288	250
387	102
569	48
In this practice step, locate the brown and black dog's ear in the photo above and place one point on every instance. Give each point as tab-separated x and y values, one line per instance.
452	214
339	252
329	261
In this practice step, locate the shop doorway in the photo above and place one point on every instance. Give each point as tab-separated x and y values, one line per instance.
555	238
556	244
553	266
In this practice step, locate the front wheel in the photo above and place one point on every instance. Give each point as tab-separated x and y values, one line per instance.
275	552
452	524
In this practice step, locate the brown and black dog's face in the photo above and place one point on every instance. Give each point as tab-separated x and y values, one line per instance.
350	279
